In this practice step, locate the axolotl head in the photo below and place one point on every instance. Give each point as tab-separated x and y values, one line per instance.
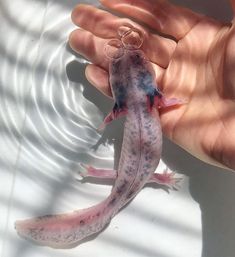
131	77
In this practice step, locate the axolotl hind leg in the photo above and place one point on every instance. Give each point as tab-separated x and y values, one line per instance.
167	178
89	171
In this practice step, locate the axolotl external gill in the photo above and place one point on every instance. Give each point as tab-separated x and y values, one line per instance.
136	96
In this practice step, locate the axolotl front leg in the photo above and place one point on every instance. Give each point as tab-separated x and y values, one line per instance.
155	99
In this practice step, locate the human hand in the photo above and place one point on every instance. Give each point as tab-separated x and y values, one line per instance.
196	64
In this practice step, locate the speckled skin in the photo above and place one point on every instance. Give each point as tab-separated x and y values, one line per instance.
131	81
142	141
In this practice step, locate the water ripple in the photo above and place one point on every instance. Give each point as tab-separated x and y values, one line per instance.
61	122
47	125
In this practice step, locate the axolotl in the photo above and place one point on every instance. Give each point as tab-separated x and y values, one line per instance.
137	97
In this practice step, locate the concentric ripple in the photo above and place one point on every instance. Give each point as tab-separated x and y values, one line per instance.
56	123
47	125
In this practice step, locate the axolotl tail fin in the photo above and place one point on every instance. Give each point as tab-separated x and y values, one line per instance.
64	230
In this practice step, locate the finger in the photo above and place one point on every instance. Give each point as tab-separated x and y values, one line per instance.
89	46
158	14
99	77
105	25
92	48
102	24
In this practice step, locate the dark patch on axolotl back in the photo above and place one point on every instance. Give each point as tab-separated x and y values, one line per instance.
82	222
122	187
147	84
115	67
120	95
136	59
112	201
45	217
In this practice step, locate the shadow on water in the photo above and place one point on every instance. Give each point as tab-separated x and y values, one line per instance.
213	188
113	132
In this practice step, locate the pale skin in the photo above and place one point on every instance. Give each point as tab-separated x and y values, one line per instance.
195	63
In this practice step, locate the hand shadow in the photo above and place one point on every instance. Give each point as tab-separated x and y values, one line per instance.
213	188
113	132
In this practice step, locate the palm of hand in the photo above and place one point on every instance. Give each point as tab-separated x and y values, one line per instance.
199	71
198	68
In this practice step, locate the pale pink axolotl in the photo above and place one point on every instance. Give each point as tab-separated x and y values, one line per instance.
137	97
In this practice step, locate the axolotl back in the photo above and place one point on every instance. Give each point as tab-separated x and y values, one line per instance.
133	86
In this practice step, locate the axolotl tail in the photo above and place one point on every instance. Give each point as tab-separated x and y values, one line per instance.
64	230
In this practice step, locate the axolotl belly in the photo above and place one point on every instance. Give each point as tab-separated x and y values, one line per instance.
136	96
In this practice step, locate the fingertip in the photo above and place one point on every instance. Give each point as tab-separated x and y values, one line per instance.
72	38
80	41
75	12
